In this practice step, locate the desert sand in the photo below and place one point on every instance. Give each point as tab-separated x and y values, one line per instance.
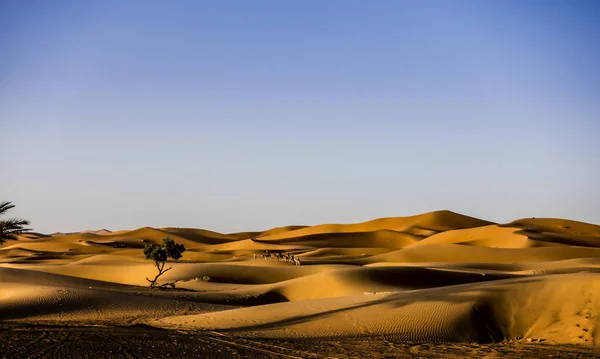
437	278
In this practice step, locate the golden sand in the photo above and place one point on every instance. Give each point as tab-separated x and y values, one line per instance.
436	277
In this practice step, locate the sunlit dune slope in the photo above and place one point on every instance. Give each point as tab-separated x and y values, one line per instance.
462	253
420	226
199	235
272	231
559	309
523	233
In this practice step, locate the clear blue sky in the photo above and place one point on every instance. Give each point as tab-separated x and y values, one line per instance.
244	115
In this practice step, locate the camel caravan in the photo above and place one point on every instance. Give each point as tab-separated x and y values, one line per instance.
290	258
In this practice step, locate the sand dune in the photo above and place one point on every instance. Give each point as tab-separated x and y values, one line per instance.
556	309
421	226
99	232
33	296
439	276
272	231
534	232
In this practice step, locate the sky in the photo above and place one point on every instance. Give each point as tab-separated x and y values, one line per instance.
246	115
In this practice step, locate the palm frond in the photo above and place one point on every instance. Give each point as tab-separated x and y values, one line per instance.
5	206
13	223
11	228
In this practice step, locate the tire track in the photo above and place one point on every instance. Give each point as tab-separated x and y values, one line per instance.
268	346
122	348
45	352
211	337
27	346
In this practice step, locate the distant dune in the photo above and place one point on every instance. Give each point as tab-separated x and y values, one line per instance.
434	277
98	232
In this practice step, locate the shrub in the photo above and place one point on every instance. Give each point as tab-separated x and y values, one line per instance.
160	254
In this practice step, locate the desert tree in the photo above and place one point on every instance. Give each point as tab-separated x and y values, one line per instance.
10	228
160	254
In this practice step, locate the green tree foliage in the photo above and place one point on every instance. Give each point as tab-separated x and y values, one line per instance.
160	254
10	228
